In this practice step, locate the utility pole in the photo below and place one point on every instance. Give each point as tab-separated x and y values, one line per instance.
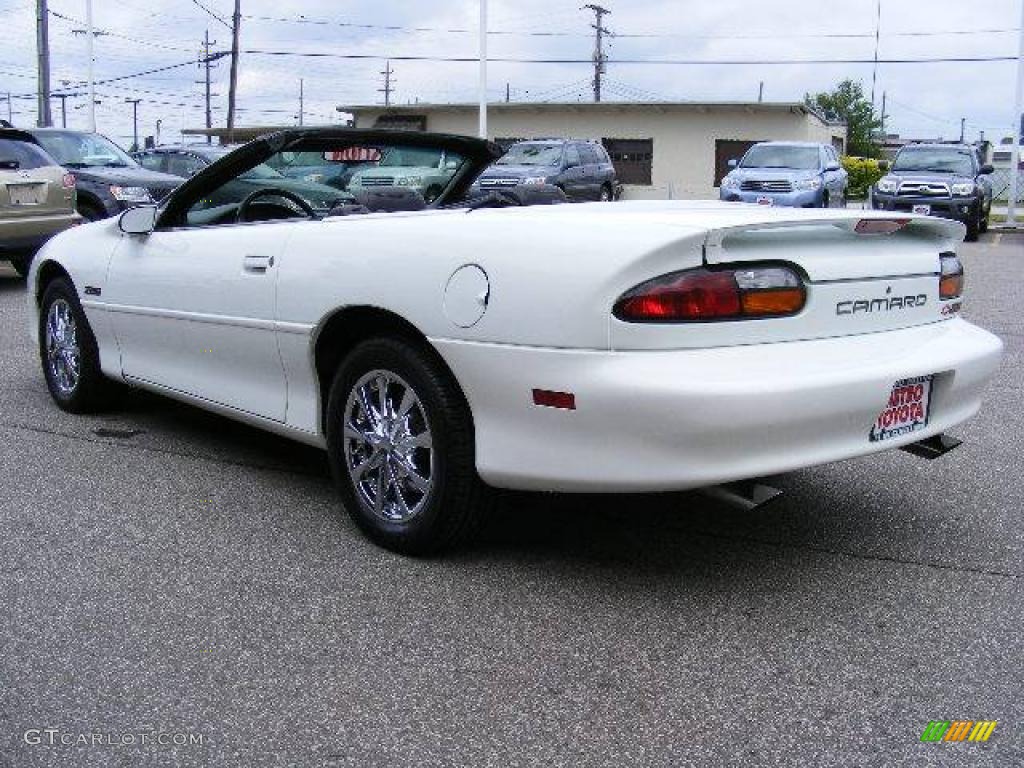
90	40
208	65
482	84
388	83
135	122
1018	129
10	109
302	100
963	125
878	38
508	92
760	92
883	114
44	119
599	57
236	23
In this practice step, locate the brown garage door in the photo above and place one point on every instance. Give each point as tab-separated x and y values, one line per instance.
726	150
632	159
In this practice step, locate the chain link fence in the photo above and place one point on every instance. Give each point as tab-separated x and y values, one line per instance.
1001	185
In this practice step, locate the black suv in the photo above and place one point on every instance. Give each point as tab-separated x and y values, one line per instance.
947	180
109	181
581	169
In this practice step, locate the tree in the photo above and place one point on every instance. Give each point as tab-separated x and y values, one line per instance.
846	102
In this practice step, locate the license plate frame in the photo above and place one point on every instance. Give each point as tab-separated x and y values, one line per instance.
907	410
26	194
764	200
922	210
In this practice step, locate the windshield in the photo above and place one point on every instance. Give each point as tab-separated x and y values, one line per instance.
412	157
532	154
84	150
780	156
261	171
935	159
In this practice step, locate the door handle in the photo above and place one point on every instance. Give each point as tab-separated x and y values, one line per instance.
257	264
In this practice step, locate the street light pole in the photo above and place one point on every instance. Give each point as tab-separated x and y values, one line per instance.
1018	118
135	122
483	70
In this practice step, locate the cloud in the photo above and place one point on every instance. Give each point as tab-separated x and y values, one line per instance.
924	100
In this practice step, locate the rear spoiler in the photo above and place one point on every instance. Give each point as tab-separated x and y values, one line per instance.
866	224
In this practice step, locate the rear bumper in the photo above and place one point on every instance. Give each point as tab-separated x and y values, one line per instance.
672	420
801	198
29	233
957	208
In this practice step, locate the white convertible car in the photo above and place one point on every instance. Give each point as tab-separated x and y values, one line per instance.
440	351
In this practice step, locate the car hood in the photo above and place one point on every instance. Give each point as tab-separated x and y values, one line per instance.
128	177
945	177
397	170
518	171
772	174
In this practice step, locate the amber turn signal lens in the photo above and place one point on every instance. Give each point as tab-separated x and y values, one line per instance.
951	286
783	302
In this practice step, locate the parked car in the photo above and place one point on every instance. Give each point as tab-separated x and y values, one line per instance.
108	180
438	354
37	198
947	180
787	173
581	169
333	169
426	170
187	161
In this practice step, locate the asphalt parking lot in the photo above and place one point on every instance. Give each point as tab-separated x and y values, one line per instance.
167	571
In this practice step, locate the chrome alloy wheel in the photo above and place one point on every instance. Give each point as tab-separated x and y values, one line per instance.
388	447
63	355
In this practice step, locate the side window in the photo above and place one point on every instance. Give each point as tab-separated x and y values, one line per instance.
589	154
27	156
153	161
572	156
184	165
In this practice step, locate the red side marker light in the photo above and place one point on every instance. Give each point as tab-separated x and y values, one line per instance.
880	226
549	399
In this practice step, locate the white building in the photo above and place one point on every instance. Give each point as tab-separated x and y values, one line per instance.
660	149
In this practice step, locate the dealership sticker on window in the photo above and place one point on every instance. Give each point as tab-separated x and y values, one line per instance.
906	411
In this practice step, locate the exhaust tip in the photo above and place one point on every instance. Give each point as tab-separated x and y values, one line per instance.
933	447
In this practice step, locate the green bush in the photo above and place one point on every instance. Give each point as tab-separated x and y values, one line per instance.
864	172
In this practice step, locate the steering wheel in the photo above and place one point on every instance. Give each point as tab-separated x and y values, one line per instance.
243	207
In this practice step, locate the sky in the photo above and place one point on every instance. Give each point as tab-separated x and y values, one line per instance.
923	100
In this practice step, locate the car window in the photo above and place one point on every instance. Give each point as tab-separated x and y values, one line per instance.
83	150
417	175
935	160
26	155
572	156
532	153
153	161
781	156
588	154
184	165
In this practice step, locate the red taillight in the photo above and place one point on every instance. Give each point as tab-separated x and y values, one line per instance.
951	277
69	181
700	294
880	226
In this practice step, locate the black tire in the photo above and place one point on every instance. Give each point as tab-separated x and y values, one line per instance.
824	200
606	194
973	226
431	195
457	500
90	212
22	264
983	224
93	390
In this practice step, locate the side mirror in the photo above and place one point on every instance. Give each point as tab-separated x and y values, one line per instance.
832	167
138	221
451	165
733	162
883	165
986	169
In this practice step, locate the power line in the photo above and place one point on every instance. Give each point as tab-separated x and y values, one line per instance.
681	62
211	13
622	35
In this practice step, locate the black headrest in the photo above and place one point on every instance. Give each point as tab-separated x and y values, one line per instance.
390	199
